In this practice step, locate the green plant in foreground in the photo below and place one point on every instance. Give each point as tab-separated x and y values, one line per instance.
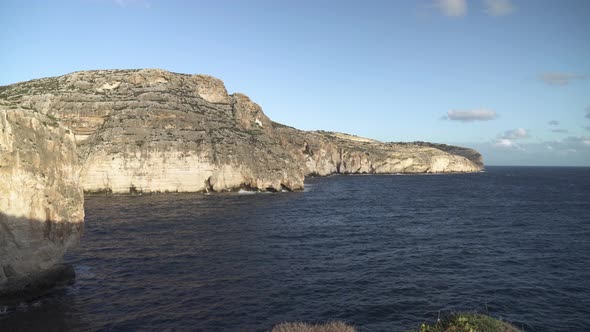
468	322
461	322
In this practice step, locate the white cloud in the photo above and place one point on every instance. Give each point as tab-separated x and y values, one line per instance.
471	115
499	7
553	123
504	142
517	133
507	144
452	8
557	78
559	130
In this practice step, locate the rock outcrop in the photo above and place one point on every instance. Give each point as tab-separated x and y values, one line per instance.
155	131
41	201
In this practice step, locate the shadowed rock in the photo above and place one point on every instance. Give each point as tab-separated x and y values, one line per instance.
32	285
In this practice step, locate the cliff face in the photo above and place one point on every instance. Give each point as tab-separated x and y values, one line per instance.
41	201
152	130
324	153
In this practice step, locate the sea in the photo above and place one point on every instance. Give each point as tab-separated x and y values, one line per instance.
381	252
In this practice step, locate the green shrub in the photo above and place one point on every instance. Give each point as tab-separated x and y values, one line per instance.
468	322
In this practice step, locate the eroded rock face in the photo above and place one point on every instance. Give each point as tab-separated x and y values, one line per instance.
151	130
41	201
324	153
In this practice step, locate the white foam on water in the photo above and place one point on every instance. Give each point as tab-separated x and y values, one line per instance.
246	192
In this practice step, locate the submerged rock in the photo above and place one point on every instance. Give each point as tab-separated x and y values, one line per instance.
151	130
41	201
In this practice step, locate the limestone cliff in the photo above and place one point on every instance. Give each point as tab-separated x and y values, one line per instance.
41	201
152	130
324	153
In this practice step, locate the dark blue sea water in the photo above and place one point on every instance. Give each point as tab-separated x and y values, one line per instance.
382	252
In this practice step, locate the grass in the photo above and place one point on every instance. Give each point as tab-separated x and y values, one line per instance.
468	322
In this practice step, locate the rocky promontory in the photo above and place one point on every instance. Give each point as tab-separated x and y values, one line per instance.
151	130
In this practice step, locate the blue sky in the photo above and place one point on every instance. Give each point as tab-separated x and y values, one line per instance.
510	78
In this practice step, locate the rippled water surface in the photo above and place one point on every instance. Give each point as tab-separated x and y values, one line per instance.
382	252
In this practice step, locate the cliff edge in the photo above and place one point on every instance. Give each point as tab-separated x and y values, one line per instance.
151	130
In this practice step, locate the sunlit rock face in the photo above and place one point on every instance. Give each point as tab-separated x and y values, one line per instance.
324	153
41	200
151	130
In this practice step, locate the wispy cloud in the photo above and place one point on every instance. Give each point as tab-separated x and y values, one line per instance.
580	141
565	146
569	145
499	7
553	123
452	8
560	131
557	78
588	112
518	133
459	8
471	115
128	3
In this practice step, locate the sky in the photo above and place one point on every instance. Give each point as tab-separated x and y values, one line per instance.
509	78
